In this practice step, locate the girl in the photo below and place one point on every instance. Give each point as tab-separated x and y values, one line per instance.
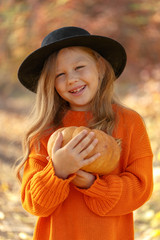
73	75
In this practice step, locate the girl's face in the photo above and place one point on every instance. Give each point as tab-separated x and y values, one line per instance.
77	77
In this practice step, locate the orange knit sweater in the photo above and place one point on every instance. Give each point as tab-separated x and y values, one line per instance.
103	211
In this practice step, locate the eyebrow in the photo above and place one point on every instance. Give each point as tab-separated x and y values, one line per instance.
79	59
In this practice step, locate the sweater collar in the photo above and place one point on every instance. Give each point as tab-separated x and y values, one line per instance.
76	118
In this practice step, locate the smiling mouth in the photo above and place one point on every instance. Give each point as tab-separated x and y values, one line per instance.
78	90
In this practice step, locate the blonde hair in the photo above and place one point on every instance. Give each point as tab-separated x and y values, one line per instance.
50	108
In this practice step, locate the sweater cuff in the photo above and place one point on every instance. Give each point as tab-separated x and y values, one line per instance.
47	189
104	194
102	188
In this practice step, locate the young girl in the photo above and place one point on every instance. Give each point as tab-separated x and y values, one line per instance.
73	75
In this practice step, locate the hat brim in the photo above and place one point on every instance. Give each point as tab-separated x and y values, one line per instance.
30	70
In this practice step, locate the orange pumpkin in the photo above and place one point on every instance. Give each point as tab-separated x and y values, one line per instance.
107	146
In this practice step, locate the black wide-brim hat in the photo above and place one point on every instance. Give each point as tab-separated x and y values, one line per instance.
30	69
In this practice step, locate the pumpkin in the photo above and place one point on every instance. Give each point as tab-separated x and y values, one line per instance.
107	146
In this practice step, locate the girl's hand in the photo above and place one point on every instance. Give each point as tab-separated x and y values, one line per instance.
70	158
83	179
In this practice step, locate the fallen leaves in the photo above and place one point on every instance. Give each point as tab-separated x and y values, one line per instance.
15	223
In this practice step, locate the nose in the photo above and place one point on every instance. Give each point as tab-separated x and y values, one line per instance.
71	78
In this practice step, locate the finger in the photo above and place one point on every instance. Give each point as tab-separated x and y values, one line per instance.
58	143
79	172
82	173
90	160
85	142
73	142
84	153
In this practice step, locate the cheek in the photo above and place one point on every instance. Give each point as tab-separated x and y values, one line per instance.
95	85
59	90
59	85
56	87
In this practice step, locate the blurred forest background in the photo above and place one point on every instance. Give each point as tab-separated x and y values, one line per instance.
23	25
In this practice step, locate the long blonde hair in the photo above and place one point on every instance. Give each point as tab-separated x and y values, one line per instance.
50	108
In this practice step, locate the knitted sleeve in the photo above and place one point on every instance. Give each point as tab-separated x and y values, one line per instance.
42	191
115	195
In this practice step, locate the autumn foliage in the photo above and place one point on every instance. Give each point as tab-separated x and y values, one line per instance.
134	23
23	25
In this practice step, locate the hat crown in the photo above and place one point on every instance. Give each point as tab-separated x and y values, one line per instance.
63	33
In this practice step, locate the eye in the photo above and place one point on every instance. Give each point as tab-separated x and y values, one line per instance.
59	75
79	67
